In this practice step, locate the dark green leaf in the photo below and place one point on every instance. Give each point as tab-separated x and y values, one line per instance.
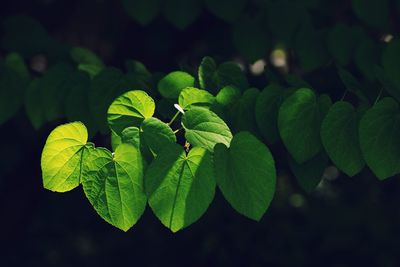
246	174
106	86
379	138
309	173
299	123
266	112
339	134
142	11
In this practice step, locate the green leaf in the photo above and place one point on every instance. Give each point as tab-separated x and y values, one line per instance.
212	78
340	43
33	105
82	55
12	89
379	132
193	96
205	129
299	123
106	86
352	84
228	95
182	13
134	136
130	109
367	55
339	134
63	155
90	69
250	39
391	61
172	84
54	87
229	73
310	48
180	187
243	118
388	84
113	183
24	35
206	72
15	62
284	28
228	10
375	13
246	174
142	11
156	134
116	140
266	112
309	173
76	102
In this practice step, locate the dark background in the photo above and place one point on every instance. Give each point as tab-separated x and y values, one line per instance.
344	222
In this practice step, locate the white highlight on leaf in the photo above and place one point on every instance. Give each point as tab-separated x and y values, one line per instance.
179	108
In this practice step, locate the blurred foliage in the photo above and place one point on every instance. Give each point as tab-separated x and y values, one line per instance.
68	60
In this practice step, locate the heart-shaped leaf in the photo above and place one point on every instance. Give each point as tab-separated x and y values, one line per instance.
246	174
130	109
63	156
109	84
299	123
379	138
309	173
172	84
156	134
193	96
204	128
267	107
113	183
180	187
339	133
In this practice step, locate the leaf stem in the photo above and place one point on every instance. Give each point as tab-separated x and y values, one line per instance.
174	118
177	130
378	97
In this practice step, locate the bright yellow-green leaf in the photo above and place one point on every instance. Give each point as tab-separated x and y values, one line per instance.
130	109
62	157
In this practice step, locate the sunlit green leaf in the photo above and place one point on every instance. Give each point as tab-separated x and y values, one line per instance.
180	187
193	96
63	156
172	84
130	109
156	134
205	129
113	183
